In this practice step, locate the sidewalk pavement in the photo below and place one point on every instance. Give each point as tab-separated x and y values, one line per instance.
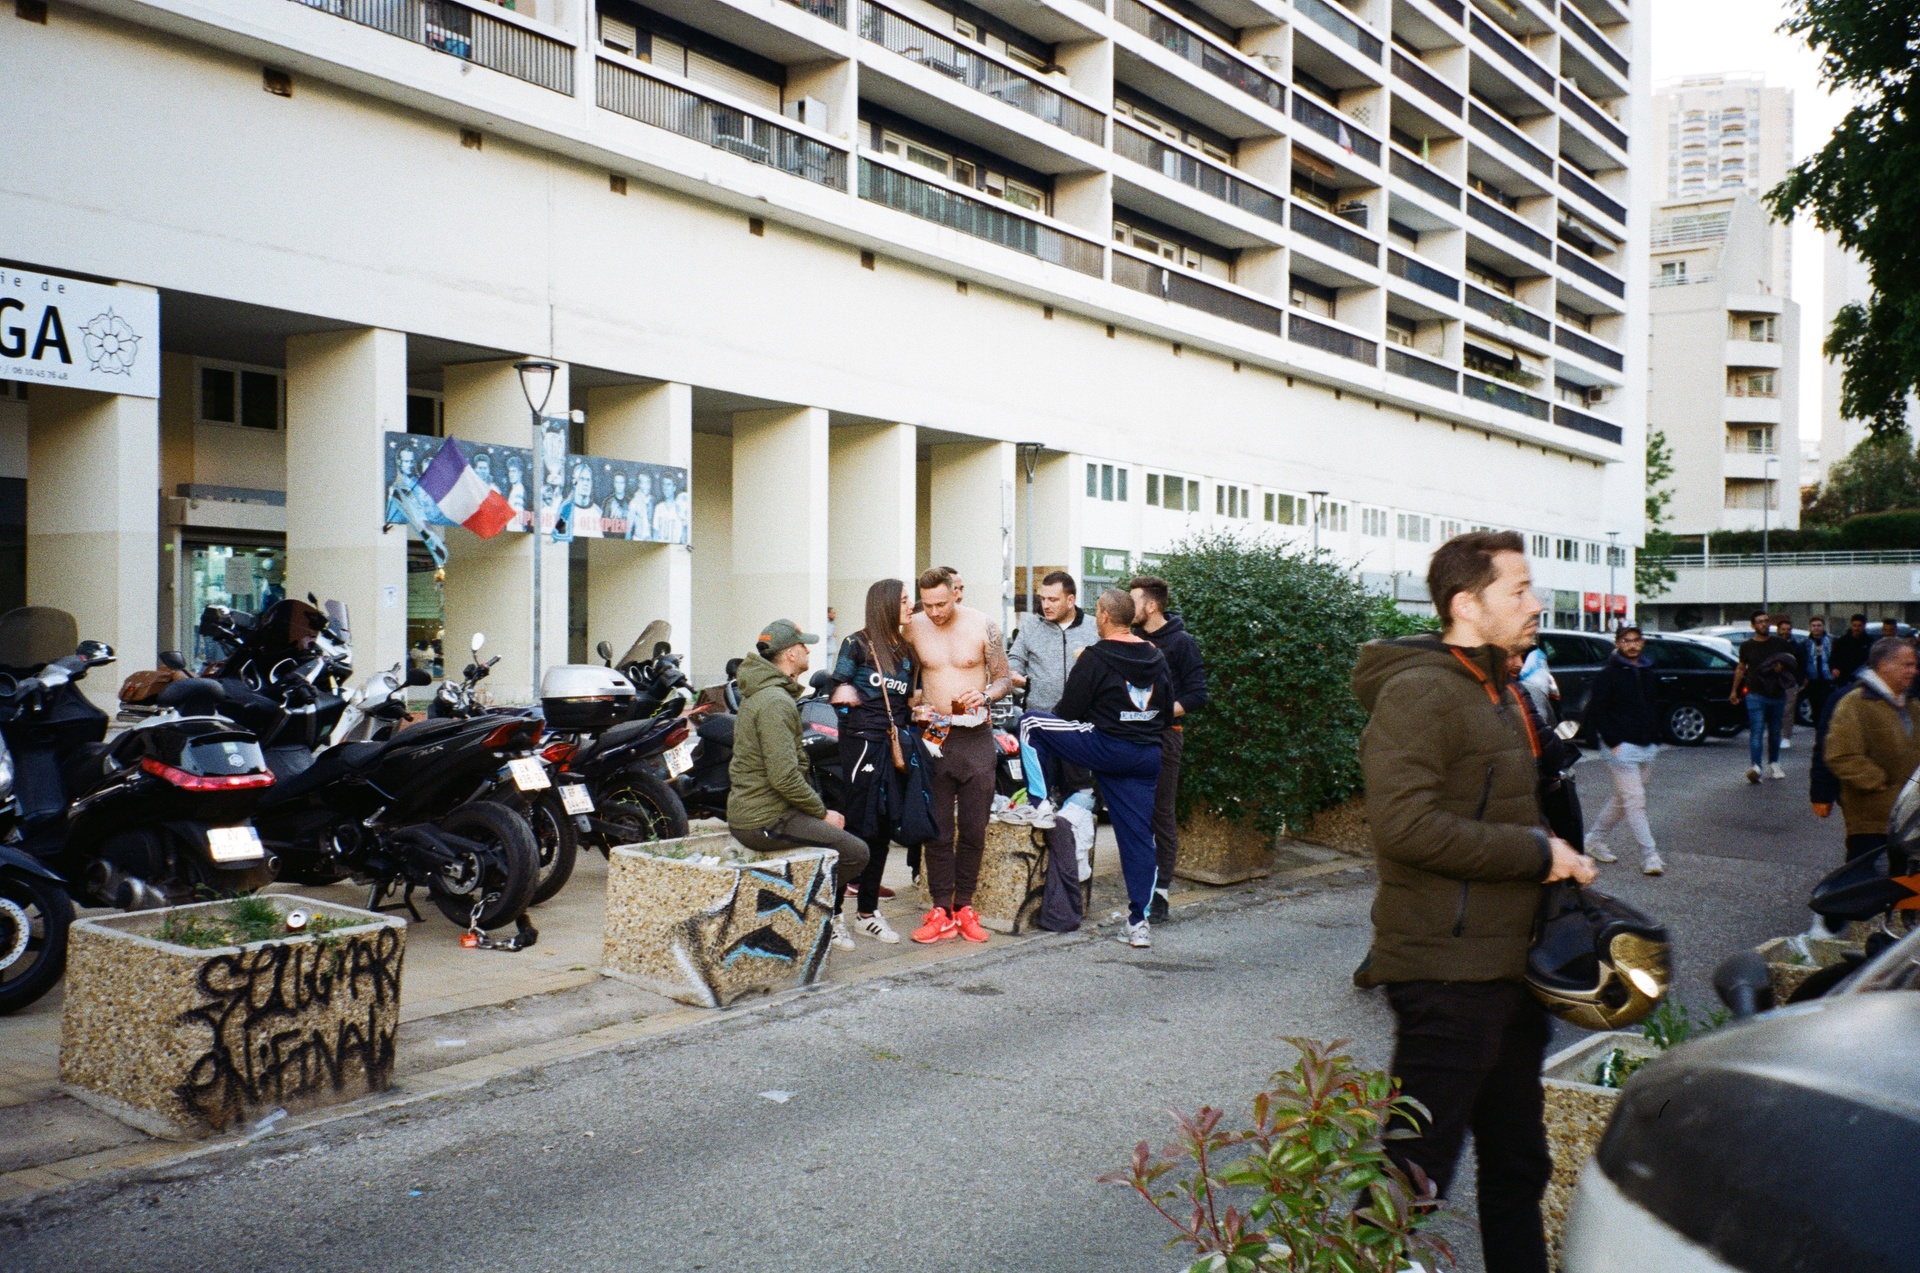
471	1016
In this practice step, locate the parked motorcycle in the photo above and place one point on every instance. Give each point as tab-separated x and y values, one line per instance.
602	738
35	910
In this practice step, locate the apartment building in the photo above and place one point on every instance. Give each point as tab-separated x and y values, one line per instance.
1354	274
1723	374
1716	134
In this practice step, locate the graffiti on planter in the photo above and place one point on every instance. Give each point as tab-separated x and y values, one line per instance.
771	929
262	1051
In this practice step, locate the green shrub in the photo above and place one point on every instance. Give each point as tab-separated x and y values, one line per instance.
1897	529
1280	629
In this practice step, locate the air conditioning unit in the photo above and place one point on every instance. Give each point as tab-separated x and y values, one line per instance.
1599	395
810	111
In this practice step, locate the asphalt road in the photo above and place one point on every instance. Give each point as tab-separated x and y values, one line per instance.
949	1120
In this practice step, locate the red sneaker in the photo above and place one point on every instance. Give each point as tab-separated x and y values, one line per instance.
969	924
939	926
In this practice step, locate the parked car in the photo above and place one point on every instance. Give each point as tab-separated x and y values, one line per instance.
1692	680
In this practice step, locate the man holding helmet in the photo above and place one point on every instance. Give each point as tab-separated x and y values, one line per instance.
1450	760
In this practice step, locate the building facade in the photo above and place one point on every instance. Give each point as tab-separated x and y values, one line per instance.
1716	134
1723	377
1355	274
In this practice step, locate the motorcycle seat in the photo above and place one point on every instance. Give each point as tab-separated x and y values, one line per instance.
717	729
84	769
329	766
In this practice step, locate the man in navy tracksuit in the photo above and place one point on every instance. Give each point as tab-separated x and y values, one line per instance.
1117	704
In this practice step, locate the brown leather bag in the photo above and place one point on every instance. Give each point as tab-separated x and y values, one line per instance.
144	687
893	731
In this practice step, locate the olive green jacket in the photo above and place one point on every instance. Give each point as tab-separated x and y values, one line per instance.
1453	801
1872	749
768	775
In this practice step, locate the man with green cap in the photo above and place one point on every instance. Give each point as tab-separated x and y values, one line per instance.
771	808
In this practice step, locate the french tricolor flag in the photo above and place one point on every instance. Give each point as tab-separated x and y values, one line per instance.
464	499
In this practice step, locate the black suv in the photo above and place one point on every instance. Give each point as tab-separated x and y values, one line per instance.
1691	681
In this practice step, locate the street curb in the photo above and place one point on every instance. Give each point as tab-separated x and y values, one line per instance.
153	1161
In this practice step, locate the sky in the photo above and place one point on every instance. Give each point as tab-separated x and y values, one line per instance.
1698	37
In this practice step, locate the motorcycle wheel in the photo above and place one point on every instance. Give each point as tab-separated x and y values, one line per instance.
506	867
35	914
641	806
558	843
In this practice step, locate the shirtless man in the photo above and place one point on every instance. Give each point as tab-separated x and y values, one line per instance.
963	668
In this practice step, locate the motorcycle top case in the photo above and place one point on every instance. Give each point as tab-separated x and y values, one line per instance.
585	698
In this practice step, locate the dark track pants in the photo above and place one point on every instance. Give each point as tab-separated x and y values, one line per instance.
1166	793
1127	773
798	830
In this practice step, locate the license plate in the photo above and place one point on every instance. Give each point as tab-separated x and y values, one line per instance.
574	798
1013	767
680	759
529	774
234	844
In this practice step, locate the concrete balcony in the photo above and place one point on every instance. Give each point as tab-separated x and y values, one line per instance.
1174	62
1749	466
1194	193
1753	353
1750	410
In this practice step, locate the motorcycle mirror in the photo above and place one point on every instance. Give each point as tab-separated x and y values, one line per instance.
95	652
419	676
173	659
479	640
661	649
1743	984
605	651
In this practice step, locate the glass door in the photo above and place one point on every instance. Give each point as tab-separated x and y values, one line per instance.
247	577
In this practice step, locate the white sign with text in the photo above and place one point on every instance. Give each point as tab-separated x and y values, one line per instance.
79	335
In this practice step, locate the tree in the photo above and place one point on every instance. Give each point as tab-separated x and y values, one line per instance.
1652	576
1864	186
1881	474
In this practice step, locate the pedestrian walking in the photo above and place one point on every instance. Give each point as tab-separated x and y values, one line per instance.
1154	620
873	688
1764	674
1850	650
1111	719
771	807
1871	746
831	646
1620	714
1783	629
1452	796
1816	667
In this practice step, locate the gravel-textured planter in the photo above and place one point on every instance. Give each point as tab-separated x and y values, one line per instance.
1343	827
1013	878
1788	969
1577	1114
185	1042
1215	851
706	921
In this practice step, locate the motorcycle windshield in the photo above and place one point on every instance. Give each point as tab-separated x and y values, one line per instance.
337	616
642	648
1903	824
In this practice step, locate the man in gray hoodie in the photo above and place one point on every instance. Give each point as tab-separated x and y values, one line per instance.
1045	647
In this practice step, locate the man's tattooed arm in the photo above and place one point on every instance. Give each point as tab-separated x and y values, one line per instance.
999	673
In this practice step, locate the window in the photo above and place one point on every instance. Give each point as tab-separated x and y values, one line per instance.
1304	293
1751	384
1373	521
1314	193
1107	482
1673	273
1187	254
426	414
1415	529
1765	330
1567	549
1231	501
1593	554
1287	510
1491	279
1400	331
974	173
1333	516
247	396
1540	546
1172	126
1757	440
1493	192
1164	490
1574	318
1448	530
1616	556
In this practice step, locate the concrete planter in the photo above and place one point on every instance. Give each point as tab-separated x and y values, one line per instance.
1577	1114
1215	851
1788	969
184	1042
1013	877
707	921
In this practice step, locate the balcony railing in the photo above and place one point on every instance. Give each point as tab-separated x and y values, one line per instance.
1402	363
1504	396
1753	561
1326	231
1342	27
1302	330
1211	57
628	92
1587	270
1593	115
1510	226
1190	170
1340	132
1017	89
1593	39
472	35
1521	60
1580	422
1586	348
1490	124
1420	274
1571	180
1412	72
1452	8
1183	288
832	10
1423	177
1502	310
977	217
1740	446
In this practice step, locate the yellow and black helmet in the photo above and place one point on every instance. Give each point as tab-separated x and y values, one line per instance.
1598	963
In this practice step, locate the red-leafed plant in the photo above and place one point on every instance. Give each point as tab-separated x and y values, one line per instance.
1287	1202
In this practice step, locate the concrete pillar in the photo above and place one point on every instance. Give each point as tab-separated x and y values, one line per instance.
630	584
971	495
712	637
871	516
489	584
1055	522
780	479
93	521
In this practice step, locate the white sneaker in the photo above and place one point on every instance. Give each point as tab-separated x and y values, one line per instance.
1786	744
1753	773
1653	865
1775	771
876	928
842	939
1137	936
1015	815
1042	815
1600	852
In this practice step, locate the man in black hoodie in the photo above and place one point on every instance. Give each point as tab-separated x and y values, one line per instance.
1151	600
1111	718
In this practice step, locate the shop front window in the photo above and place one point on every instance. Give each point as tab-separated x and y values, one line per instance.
247	577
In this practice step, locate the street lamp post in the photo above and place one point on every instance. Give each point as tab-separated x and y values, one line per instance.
1317	497
1766	527
1029	453
1613	556
536	382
